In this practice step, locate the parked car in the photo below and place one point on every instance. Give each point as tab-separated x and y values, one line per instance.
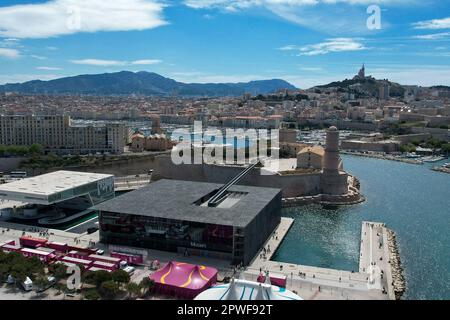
51	282
92	230
27	285
130	270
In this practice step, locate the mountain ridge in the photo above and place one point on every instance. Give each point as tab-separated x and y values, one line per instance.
142	83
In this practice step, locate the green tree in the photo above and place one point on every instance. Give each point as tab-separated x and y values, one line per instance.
40	283
97	277
120	276
58	270
446	148
4	272
3	257
109	289
92	295
35	149
147	284
408	148
133	289
34	266
19	272
60	287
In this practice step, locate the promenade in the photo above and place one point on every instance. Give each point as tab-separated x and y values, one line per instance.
130	183
324	284
12	231
307	281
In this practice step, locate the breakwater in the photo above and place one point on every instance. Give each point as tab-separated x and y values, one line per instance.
398	280
441	169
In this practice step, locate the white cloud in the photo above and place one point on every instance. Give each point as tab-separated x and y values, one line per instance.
335	17
112	63
10	42
289	47
19	78
48	68
433	24
312	69
233	5
99	62
38	57
64	17
425	75
146	62
201	77
434	36
332	45
9	53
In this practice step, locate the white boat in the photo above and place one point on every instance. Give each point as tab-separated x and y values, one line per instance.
432	159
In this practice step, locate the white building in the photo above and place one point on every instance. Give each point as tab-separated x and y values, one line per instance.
56	134
247	290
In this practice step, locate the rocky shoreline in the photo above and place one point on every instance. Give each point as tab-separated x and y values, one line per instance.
398	280
351	198
441	169
323	199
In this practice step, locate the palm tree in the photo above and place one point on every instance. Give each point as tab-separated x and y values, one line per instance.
147	284
40	283
133	289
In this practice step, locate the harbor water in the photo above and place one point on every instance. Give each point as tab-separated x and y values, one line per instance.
412	200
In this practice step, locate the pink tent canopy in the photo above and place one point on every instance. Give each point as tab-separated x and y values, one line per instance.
183	279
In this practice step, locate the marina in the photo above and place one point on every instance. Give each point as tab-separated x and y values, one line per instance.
351	258
326	283
329	237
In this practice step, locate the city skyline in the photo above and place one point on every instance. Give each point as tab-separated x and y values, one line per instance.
226	40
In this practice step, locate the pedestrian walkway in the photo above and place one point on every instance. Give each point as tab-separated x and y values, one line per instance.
323	283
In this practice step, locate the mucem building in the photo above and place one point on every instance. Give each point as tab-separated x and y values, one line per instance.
180	216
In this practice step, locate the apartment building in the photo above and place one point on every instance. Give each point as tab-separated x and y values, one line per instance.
56	134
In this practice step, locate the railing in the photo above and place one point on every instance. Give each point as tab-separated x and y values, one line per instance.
221	193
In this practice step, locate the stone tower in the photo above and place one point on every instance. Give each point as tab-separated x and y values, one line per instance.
334	179
156	125
362	72
331	159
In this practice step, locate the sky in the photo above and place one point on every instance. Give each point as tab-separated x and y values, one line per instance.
305	42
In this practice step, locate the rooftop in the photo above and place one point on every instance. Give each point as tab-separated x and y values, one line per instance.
49	184
173	199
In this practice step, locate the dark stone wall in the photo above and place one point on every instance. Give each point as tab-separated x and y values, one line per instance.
260	229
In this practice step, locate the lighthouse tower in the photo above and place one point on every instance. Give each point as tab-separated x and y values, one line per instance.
331	160
334	179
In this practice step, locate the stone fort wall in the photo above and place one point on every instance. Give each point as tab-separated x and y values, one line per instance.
292	185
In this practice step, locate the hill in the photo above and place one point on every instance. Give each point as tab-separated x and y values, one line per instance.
142	83
368	87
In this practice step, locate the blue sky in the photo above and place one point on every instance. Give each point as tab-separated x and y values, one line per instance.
306	42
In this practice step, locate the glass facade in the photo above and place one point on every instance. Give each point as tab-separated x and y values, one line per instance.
98	191
164	234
